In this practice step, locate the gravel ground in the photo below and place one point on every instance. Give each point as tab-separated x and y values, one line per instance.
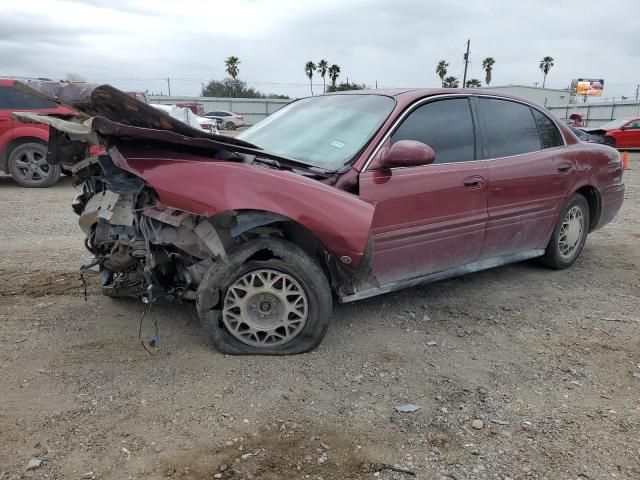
519	372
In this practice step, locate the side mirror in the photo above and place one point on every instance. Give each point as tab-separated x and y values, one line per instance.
408	153
624	127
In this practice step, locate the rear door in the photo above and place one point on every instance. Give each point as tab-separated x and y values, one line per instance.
429	218
530	172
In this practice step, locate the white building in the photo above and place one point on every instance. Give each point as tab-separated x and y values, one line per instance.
542	96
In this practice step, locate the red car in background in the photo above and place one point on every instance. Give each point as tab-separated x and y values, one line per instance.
23	146
621	133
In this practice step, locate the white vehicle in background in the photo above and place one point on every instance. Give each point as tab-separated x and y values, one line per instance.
229	120
187	116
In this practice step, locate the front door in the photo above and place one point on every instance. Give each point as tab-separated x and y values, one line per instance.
429	218
530	173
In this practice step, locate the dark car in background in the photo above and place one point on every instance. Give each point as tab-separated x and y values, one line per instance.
23	146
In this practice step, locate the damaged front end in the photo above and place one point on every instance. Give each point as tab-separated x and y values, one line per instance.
167	209
141	247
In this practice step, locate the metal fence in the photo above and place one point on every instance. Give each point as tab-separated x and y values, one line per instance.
252	109
595	114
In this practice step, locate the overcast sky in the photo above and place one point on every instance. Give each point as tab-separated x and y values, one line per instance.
135	44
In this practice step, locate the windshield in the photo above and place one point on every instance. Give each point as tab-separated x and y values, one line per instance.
614	124
325	132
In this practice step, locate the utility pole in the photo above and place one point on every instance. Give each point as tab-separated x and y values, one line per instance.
169	85
466	64
637	91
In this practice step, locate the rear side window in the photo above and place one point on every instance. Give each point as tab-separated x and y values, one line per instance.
549	134
509	128
444	125
10	98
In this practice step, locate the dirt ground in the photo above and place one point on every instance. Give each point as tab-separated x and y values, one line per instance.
548	361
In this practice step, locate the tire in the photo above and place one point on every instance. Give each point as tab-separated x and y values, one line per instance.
28	166
558	255
234	322
610	141
230	126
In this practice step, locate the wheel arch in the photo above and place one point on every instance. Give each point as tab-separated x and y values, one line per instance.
247	223
593	197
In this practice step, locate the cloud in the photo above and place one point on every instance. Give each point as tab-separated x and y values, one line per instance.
138	44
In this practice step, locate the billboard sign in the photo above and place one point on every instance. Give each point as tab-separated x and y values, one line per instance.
588	86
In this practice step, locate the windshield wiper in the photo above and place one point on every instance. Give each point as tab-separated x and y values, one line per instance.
270	162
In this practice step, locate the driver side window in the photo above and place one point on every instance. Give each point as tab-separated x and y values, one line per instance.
634	124
444	125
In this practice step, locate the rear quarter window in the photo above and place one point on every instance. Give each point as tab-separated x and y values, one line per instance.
12	99
550	136
509	128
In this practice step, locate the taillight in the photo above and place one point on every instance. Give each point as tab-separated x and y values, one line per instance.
239	117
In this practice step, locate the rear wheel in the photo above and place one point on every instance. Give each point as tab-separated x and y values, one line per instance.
569	234
28	166
268	298
610	141
230	126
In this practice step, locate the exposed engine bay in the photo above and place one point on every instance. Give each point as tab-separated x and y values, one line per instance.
138	244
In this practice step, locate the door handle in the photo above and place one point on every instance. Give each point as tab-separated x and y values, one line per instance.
564	167
4	119
474	183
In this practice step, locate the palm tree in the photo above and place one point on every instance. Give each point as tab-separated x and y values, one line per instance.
231	64
334	73
309	68
487	66
450	82
545	65
473	83
323	67
441	70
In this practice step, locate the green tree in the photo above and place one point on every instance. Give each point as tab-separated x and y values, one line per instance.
229	87
309	68
441	70
545	65
451	82
334	73
231	66
323	67
344	86
487	66
473	83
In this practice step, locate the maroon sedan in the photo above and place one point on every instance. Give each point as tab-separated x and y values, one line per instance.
337	197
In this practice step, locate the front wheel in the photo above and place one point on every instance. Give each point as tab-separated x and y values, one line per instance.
268	298
569	234
29	168
610	141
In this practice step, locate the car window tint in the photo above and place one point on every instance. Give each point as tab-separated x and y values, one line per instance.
444	125
549	134
635	124
509	128
10	98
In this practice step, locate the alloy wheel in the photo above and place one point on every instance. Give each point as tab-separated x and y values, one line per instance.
31	166
571	232
265	308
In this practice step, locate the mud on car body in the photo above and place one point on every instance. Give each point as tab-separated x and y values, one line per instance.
335	200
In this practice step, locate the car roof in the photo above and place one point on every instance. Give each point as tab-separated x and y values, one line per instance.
406	96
